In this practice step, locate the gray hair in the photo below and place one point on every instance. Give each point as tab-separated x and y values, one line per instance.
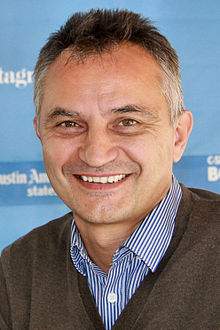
97	31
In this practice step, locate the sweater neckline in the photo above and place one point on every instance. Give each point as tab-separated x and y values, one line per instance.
135	306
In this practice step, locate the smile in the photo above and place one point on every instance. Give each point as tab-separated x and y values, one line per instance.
102	179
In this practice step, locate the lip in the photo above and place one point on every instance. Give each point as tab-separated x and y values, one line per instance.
100	186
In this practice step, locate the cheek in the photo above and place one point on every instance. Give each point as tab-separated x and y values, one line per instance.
140	149
57	152
150	152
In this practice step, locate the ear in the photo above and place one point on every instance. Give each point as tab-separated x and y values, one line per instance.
36	128
182	131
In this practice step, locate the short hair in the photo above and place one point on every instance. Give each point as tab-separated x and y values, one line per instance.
99	30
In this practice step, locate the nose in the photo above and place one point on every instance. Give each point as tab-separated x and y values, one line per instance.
98	148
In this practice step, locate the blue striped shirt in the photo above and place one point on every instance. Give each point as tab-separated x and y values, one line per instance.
141	252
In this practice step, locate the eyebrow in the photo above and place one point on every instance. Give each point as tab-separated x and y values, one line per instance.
129	108
132	108
62	112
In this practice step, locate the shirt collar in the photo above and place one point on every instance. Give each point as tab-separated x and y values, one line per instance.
150	240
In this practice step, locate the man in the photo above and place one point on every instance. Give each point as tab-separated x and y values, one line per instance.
139	250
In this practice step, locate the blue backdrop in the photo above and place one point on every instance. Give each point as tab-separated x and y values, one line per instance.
192	26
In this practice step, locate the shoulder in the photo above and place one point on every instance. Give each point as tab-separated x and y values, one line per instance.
44	238
34	265
201	200
204	195
199	210
196	234
206	204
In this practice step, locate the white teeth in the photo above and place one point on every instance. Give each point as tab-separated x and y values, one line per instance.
111	179
103	179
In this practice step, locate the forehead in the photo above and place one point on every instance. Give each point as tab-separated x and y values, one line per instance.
127	71
127	56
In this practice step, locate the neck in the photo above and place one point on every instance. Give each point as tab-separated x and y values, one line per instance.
102	240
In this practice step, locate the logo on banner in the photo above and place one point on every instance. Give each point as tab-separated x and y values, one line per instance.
25	183
32	179
213	168
20	79
199	171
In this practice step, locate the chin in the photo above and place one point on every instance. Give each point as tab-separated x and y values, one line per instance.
98	216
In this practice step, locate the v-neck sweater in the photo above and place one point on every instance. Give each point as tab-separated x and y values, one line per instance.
41	289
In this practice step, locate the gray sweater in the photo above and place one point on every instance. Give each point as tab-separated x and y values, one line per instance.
40	288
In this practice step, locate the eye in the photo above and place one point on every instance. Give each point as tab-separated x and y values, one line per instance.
68	124
69	127
127	122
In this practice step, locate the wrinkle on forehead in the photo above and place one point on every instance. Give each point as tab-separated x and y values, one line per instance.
111	68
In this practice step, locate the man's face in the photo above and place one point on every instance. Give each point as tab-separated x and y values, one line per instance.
108	142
